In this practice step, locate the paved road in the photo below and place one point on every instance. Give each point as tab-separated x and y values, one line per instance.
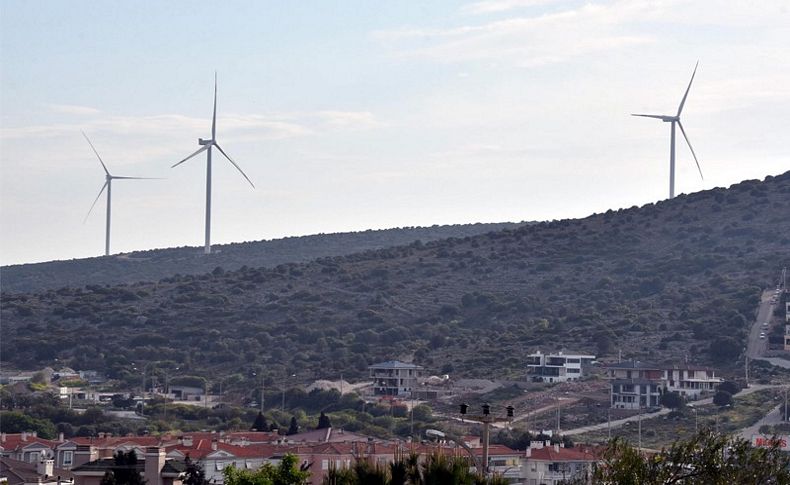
773	417
756	346
620	422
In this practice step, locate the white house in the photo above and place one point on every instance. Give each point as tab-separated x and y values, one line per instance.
394	378
546	464
557	367
691	381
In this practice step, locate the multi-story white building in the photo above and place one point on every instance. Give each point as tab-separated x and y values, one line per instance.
635	385
557	367
394	378
691	381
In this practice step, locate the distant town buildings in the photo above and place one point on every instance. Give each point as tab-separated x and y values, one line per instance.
557	367
394	378
24	457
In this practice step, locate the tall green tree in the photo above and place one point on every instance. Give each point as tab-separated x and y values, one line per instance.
260	423
194	474
323	421
293	428
124	470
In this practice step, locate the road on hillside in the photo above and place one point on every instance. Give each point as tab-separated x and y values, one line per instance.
661	412
773	417
757	346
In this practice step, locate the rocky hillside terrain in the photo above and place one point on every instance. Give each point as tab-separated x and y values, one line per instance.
668	282
155	264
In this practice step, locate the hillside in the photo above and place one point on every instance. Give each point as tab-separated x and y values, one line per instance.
667	281
158	263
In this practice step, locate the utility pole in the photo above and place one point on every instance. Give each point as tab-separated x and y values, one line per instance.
486	419
609	422
640	427
747	369
558	416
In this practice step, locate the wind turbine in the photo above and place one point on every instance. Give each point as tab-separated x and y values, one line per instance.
676	120
108	178
206	146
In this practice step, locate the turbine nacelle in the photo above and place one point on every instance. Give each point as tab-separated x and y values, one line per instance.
203	142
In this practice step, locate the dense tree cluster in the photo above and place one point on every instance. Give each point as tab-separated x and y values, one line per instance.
705	459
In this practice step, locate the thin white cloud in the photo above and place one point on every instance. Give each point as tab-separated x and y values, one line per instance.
497	6
72	109
244	126
531	40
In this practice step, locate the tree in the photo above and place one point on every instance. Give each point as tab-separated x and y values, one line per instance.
435	469
124	470
705	459
729	386
194	473
722	398
17	422
323	421
286	473
293	428
672	400
724	349
260	423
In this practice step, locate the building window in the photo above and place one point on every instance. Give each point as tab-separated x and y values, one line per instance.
68	458
325	464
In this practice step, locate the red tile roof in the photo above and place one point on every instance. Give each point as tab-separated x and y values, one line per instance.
13	441
549	453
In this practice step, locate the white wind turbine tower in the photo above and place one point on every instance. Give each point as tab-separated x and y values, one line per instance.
676	120
108	178
206	146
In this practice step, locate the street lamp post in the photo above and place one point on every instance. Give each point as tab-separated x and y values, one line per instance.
696	420
486	419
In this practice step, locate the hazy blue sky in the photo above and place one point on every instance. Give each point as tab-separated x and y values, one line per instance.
351	115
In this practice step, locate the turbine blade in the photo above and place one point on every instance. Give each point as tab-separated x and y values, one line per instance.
692	149
94	202
683	101
137	178
200	150
214	116
97	154
234	164
658	117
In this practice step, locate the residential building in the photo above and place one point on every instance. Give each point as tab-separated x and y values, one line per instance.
547	464
394	378
557	367
635	385
44	472
153	466
691	381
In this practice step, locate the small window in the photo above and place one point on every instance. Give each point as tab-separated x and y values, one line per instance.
325	464
68	458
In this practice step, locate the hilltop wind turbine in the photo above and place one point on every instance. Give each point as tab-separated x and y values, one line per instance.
676	120
108	178
206	146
